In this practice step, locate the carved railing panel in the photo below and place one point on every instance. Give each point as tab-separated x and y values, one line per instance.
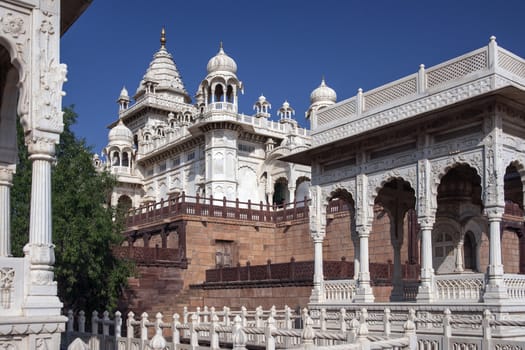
464	287
515	286
11	285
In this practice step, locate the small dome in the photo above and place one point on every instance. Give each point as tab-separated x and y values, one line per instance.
323	93
124	92
120	134
262	99
221	62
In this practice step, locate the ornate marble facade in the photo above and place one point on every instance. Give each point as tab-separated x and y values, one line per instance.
31	78
446	144
163	144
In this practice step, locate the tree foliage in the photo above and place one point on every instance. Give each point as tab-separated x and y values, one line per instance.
88	275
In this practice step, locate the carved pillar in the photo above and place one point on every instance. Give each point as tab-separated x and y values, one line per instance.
318	290
357	264
426	288
364	291
317	212
459	256
6	181
495	290
397	275
42	294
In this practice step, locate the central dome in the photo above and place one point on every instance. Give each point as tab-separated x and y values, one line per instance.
221	62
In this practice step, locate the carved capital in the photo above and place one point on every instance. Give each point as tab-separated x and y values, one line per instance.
426	222
6	175
317	236
41	148
494	213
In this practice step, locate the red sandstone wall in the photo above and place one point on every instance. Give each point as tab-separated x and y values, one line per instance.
293	241
253	297
510	252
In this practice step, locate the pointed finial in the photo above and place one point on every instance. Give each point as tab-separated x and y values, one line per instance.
221	49
163	38
322	81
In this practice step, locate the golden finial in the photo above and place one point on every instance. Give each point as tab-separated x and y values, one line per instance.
163	38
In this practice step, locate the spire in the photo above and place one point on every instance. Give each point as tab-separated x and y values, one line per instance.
163	38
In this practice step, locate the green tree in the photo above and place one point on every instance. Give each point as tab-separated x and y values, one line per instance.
89	277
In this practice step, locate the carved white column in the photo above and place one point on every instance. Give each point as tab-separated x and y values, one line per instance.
459	256
397	274
495	290
6	181
318	289
357	259
317	212
364	290
42	293
426	288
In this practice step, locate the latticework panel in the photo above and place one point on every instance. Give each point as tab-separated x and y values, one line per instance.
457	69
391	93
344	110
511	64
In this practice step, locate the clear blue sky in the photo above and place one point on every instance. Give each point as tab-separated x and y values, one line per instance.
282	47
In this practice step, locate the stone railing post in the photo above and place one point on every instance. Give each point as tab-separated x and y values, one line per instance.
386	323
239	338
70	321
322	319
362	333
94	323
487	331
194	336
6	182
82	321
158	342
118	324
205	317
244	316
409	328
351	336
342	320
144	326
268	333
105	323
175	334
214	336
308	334
288	322
226	317
129	323
447	329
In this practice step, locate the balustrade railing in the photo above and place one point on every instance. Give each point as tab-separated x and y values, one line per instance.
218	208
515	286
271	329
351	328
381	273
459	287
339	291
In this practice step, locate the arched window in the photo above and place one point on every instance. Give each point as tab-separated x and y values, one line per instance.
219	93
115	160
280	191
229	94
125	159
